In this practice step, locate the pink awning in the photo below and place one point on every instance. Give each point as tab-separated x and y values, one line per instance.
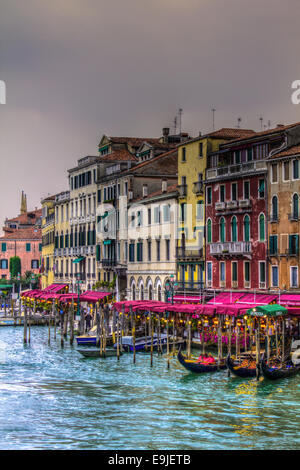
187	298
55	288
226	298
257	299
289	299
92	296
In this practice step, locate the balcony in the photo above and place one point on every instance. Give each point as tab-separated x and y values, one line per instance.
220	206
108	262
198	187
231	205
244	203
189	286
230	249
242	168
189	253
182	189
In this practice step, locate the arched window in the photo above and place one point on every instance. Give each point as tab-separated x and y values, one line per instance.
133	291
247	228
142	291
209	234
159	293
262	232
150	292
234	229
295	206
274	208
222	230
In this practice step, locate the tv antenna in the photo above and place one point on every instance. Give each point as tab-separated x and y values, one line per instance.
213	117
180	112
239	120
261	122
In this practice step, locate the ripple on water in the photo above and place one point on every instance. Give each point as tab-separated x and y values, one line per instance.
53	398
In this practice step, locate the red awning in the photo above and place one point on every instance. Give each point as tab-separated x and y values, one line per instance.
257	299
289	299
226	298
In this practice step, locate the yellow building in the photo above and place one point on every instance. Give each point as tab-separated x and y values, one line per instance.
63	267
192	163
48	231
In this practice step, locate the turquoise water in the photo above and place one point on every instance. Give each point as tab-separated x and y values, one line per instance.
54	399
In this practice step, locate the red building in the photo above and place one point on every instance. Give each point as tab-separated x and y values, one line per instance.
23	238
236	210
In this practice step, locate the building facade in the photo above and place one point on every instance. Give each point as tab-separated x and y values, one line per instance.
284	221
48	236
237	210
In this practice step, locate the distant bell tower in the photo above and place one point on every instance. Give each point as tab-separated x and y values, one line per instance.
23	203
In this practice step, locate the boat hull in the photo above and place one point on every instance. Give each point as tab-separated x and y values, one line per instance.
86	340
197	367
243	372
275	374
95	352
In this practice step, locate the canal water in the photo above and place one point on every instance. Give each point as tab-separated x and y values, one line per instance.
54	399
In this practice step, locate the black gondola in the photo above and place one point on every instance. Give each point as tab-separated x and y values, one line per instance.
283	372
239	371
197	367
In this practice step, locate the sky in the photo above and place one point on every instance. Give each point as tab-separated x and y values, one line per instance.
77	69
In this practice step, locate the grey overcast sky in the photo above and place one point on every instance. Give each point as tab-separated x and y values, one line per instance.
75	69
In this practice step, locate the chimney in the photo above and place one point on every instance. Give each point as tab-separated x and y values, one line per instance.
166	132
145	190
164	186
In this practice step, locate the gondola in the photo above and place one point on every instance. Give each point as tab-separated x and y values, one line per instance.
197	367
284	372
239	371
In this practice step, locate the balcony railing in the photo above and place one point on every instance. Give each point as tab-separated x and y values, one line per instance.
182	189
230	248
198	187
247	167
190	285
108	262
245	203
184	253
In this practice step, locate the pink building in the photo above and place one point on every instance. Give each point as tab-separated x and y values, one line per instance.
23	238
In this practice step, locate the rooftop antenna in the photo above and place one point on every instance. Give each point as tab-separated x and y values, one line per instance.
213	113
269	124
180	112
239	120
261	122
175	125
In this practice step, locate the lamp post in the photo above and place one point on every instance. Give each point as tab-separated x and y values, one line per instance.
169	288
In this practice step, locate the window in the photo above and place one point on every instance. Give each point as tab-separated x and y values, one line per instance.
200	210
125	188
28	247
234	271
222	230
249	155
234	229
139	218
208	195
294	276
275	278
149	250
246	190
183	154
222	271
34	264
157	215
149	216
247	228
234	191
167	212
183	212
262	234
139	252
4	264
3	247
131	252
237	156
222	193
209	233
158	250
273	244
261	189
168	250
295	169
200	149
209	271
286	171
274	173
295	207
247	271
262	272
274	214
294	244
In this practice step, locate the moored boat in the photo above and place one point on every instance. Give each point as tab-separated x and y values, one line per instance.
142	342
193	366
281	372
243	369
95	352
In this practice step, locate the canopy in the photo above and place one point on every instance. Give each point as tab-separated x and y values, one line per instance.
77	260
290	299
257	299
93	297
273	310
226	298
188	298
